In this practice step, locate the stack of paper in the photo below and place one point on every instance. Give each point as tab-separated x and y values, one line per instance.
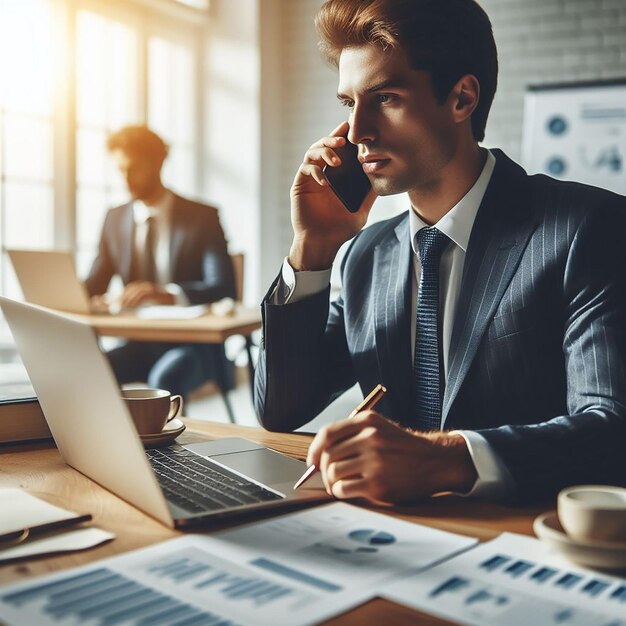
30	526
300	568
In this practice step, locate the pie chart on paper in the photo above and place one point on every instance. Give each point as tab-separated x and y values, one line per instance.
372	537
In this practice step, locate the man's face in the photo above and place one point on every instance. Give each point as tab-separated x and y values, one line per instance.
141	174
405	137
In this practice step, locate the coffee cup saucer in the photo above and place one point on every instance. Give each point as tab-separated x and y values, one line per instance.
170	431
605	555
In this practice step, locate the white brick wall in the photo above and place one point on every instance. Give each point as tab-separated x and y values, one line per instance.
547	41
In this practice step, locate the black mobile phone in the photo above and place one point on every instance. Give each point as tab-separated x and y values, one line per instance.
348	181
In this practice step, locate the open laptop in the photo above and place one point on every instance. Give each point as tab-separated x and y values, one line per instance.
181	486
48	278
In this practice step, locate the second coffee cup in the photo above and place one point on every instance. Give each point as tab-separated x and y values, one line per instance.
151	408
592	513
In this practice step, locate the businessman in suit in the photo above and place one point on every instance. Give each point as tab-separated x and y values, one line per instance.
493	309
167	250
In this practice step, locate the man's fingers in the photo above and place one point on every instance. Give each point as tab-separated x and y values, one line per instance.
341	470
351	488
321	153
315	172
135	293
330	435
323	467
319	156
327	436
341	130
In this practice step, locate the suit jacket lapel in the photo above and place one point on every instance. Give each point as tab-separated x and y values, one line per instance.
392	306
127	249
178	225
501	231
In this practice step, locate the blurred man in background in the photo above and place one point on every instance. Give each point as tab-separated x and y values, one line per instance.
167	250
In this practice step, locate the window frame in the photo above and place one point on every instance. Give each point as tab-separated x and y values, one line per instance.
166	18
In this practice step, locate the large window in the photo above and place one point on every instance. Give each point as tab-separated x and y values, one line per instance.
108	93
72	71
28	67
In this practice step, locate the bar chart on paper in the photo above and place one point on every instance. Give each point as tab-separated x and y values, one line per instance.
103	596
513	580
179	588
297	569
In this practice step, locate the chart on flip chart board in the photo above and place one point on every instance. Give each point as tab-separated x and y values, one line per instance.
577	132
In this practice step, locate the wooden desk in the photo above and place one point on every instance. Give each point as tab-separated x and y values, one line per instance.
204	329
39	469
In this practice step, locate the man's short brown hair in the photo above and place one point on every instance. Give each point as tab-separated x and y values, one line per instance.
138	141
446	38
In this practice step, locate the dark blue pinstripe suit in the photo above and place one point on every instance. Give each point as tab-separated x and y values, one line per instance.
537	359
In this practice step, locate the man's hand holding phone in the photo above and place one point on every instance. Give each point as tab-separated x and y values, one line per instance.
320	220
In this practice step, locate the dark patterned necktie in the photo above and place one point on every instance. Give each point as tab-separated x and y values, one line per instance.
149	262
431	244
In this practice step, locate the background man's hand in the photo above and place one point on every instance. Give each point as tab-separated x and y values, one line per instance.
370	457
144	292
321	223
99	303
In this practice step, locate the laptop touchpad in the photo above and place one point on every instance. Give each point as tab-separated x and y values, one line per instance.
263	466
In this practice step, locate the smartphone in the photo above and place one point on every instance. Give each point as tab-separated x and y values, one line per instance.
348	181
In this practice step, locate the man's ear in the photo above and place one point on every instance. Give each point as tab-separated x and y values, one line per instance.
465	95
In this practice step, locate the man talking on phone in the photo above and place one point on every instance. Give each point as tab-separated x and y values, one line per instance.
493	310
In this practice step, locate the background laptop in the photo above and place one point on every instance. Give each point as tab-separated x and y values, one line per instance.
48	278
179	486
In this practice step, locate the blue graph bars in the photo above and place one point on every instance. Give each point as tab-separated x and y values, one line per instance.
518	568
454	584
569	580
595	587
619	594
111	598
542	574
494	562
290	572
232	586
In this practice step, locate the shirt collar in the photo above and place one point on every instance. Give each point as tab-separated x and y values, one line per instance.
141	211
457	223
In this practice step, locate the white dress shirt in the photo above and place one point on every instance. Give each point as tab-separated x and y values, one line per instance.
161	211
494	480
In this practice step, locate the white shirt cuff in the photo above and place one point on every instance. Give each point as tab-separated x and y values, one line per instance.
179	295
494	480
294	286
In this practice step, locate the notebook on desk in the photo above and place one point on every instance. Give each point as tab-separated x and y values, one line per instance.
48	278
181	486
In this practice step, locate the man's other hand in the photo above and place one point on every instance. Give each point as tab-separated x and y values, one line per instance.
370	457
144	292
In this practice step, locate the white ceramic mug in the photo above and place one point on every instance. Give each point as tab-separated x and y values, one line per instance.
592	513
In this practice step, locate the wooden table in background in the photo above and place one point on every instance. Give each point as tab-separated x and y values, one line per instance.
39	469
204	329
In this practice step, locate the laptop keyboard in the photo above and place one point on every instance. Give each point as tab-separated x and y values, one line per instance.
197	485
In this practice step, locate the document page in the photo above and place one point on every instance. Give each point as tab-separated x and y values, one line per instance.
299	568
21	510
172	312
514	580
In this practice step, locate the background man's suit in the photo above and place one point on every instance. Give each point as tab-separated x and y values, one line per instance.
199	263
537	360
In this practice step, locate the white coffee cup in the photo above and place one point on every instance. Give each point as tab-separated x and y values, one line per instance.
593	513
